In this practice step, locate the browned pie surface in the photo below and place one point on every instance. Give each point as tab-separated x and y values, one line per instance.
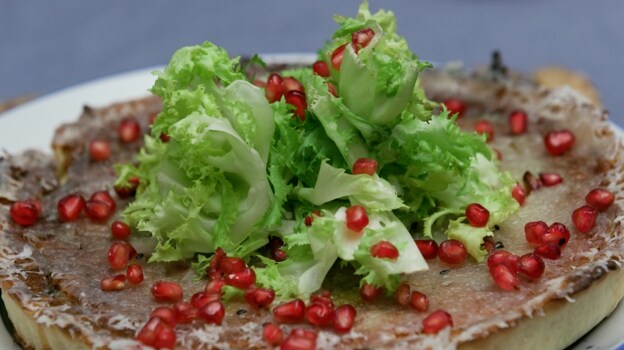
55	269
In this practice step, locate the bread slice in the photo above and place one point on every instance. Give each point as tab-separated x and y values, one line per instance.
51	272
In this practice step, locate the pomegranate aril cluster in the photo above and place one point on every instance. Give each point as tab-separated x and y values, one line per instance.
291	89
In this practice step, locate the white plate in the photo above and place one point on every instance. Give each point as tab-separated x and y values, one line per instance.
32	126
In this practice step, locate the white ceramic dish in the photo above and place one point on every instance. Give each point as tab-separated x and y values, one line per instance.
32	126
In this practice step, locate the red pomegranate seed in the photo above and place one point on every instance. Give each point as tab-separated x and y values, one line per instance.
584	218
291	84
129	130
323	298
600	198
217	259
26	213
550	179
557	233
103	196
428	248
201	299
184	312
559	142
419	301
336	57
356	218
362	37
118	255
505	277
165	314
518	122
158	334
452	252
120	230
549	251
485	127
499	257
274	88
436	321
364	166
167	291
259	297
214	286
113	283
298	100
242	280
278	254
384	250
299	340
99	150
321	68
70	207
518	194
369	292
531	265
319	314
403	294
477	215
344	317
272	334
332	89
455	106
290	312
164	137
308	220
135	274
534	231
98	211
129	191
232	265
499	154
488	244
531	181
213	312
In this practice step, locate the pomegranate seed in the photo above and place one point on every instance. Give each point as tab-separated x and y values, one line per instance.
290	312
436	321
300	332
550	179
164	137
332	89
165	314
213	312
485	127
600	198
362	37
129	130
118	255
419	301
534	231
344	317
276	242
242	279
452	252
297	99
133	251
129	191
369	292
503	257
356	218
278	254
217	259
559	142
319	314
120	230
364	166
428	248
167	291
259	297
103	196
113	283
455	106
184	312
477	215
323	298
402	294
99	150
291	84
584	218
135	274
70	207
214	286
557	233
232	265
384	250
158	334
531	266
488	244
321	68
531	182
98	211
308	220
518	194
201	299
272	334
336	57
26	213
505	277
299	340
499	154
518	122
549	251
274	88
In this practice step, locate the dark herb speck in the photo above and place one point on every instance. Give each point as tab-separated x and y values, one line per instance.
241	312
444	272
499	245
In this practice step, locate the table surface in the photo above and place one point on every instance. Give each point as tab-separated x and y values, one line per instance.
48	45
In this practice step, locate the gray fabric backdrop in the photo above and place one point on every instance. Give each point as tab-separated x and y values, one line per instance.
46	45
